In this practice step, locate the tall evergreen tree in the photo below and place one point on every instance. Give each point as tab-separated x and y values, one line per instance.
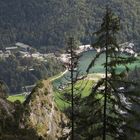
111	118
69	92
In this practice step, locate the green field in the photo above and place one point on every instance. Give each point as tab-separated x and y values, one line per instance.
13	98
83	65
84	88
85	61
88	56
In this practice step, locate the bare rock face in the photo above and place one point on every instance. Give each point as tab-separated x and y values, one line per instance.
37	119
42	114
10	116
6	110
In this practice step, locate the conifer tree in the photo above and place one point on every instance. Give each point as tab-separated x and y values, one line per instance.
112	117
71	93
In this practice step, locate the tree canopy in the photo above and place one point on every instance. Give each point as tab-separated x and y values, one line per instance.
48	22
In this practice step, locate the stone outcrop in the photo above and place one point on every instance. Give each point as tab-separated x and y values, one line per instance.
37	119
42	114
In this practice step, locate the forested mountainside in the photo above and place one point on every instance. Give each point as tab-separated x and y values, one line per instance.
17	73
49	22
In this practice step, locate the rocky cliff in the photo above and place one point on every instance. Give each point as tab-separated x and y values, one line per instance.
37	119
42	114
10	125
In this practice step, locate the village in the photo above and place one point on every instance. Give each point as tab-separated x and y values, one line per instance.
25	51
128	48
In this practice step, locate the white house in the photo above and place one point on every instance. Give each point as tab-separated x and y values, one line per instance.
1	53
65	58
128	48
12	49
7	53
22	46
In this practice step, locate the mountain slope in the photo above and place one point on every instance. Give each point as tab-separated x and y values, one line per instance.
42	114
48	22
37	119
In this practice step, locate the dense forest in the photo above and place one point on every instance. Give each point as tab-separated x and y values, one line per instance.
44	23
17	72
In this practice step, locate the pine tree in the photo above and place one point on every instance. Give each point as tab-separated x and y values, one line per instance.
71	93
113	118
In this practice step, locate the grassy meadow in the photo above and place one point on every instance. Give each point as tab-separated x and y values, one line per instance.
85	85
84	89
13	98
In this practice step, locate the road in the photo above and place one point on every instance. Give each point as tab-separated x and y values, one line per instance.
59	76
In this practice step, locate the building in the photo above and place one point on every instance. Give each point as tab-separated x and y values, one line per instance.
128	48
11	49
23	47
1	54
7	53
27	89
83	48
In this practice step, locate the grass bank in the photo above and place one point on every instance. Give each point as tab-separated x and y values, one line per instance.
20	97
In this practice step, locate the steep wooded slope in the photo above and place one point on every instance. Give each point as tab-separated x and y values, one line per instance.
48	22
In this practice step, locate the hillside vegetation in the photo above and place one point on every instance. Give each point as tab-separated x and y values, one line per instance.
49	22
37	119
18	72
